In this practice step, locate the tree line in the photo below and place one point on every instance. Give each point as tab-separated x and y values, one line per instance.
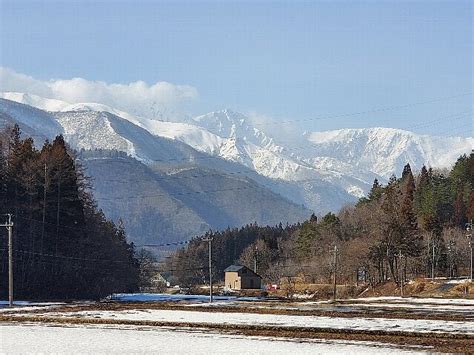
63	245
413	226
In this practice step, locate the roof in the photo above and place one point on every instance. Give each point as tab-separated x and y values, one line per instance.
234	268
237	268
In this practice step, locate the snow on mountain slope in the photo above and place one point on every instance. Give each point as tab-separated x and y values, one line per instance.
255	149
322	170
39	122
252	147
35	101
53	105
170	191
385	151
197	137
102	130
92	130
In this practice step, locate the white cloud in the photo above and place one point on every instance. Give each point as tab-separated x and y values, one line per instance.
139	98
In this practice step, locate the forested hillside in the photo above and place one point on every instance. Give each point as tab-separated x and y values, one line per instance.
159	206
411	227
63	246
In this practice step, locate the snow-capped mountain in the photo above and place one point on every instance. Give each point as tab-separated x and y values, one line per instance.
163	189
321	170
385	151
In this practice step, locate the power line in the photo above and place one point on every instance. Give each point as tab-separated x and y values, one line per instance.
375	110
181	242
69	257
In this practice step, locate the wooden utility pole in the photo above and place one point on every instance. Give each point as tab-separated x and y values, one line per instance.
433	257
255	256
400	258
210	267
44	205
335	274
9	226
469	230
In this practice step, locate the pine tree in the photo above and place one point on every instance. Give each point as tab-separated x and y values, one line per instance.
376	191
406	171
411	242
57	254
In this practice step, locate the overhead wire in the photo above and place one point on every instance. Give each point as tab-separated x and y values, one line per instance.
374	110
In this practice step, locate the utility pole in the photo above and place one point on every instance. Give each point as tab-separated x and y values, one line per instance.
255	260
433	257
400	258
450	258
44	205
469	230
335	274
210	267
9	226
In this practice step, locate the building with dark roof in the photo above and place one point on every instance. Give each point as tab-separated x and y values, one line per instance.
239	277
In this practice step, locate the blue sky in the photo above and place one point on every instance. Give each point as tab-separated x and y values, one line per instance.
287	60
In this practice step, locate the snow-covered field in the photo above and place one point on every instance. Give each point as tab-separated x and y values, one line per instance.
418	307
21	339
427	300
181	329
31	306
197	317
438	305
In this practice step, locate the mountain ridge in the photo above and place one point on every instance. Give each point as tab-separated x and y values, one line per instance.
303	170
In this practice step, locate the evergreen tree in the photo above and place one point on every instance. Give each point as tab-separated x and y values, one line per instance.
64	247
376	191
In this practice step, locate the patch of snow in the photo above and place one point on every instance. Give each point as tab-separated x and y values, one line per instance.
146	340
380	324
426	300
35	101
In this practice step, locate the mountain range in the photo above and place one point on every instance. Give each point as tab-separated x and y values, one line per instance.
173	180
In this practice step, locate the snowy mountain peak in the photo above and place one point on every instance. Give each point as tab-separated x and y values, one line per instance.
385	151
322	170
35	101
224	123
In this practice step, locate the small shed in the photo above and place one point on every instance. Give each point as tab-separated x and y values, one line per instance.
239	277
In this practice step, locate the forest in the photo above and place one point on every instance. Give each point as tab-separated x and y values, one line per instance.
413	226
63	245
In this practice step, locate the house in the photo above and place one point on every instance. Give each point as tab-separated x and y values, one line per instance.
155	281
239	277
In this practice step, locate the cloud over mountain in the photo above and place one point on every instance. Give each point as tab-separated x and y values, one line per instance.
139	98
